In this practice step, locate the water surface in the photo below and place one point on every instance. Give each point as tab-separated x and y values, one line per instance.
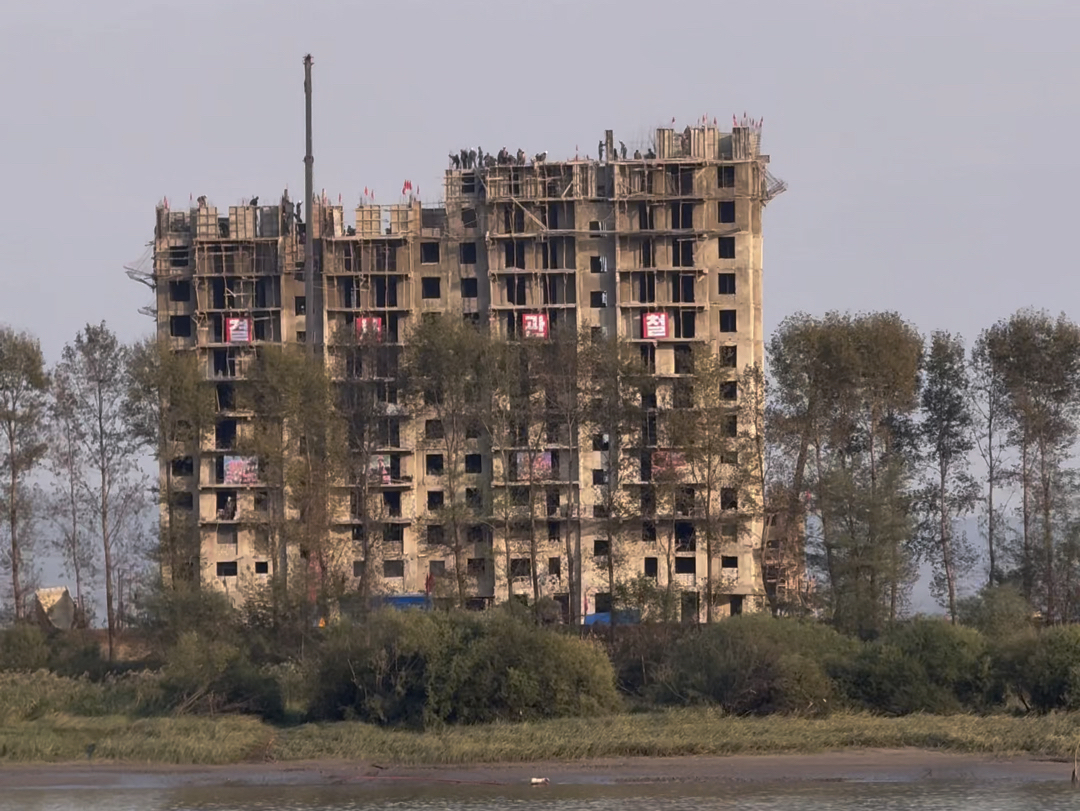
995	795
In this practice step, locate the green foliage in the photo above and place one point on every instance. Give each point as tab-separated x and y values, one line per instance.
757	664
639	654
23	647
212	676
923	666
167	614
416	669
997	612
501	670
378	672
1052	675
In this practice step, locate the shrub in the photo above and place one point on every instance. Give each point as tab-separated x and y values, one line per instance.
997	612
757	664
166	615
417	669
23	647
1053	669
212	676
76	653
639	653
926	665
503	669
379	672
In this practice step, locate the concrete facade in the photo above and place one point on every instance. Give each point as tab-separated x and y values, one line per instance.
602	245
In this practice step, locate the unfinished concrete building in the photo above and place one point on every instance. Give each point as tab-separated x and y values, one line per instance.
663	249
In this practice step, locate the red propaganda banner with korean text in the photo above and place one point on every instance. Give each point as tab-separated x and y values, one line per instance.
238	330
534	325
369	327
654	325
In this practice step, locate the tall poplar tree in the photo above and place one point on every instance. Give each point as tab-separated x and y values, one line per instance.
24	386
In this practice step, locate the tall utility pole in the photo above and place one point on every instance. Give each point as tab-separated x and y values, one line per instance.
313	319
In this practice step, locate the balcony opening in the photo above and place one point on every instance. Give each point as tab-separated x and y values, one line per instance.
685	539
225	435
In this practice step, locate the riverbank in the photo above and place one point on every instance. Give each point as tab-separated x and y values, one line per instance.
907	765
222	740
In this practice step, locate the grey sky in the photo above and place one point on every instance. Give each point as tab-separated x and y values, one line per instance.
928	145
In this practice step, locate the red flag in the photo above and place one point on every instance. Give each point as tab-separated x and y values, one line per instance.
403	191
365	191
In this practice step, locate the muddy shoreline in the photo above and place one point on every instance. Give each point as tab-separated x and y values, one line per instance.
851	765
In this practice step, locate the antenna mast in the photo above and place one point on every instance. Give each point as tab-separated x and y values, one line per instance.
314	310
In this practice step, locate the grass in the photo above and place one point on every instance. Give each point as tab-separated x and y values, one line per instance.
232	739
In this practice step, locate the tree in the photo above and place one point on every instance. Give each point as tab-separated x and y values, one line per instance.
301	444
441	364
169	407
505	413
948	492
846	389
1038	358
24	387
612	379
93	368
68	509
752	464
561	365
367	378
989	402
709	429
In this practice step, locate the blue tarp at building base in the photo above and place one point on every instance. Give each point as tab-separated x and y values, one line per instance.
625	617
404	601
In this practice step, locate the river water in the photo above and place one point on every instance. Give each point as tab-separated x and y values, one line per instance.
996	795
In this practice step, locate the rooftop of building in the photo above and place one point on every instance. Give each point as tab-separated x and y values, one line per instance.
701	143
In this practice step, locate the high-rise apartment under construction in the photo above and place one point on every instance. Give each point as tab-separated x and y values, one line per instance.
661	247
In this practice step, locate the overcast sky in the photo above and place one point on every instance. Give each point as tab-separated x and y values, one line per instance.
928	144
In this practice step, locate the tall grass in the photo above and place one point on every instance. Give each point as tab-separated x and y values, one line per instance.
233	739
